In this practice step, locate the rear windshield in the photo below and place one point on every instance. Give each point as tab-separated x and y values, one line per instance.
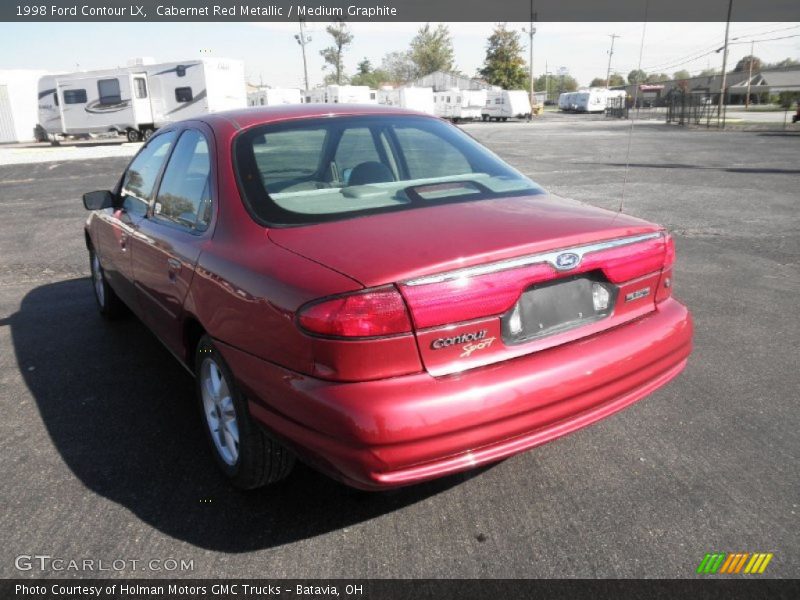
312	171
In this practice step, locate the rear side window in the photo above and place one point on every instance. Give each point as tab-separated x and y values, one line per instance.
108	91
140	178
184	196
74	96
183	94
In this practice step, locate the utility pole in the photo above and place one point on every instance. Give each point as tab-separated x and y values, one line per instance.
749	77
613	36
531	31
546	83
302	39
724	67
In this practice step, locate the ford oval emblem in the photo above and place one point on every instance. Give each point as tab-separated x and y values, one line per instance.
567	260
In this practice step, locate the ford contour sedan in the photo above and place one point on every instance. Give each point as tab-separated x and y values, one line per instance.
372	291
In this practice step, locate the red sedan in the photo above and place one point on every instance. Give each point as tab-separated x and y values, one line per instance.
371	290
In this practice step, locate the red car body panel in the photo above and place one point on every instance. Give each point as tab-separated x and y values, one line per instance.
392	411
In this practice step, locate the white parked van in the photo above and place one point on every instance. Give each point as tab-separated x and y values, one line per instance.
504	104
138	99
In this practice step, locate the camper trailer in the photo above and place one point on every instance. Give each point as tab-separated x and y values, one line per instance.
593	100
342	94
565	101
412	98
274	97
504	104
459	105
136	100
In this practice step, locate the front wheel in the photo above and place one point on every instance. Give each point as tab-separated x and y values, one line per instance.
108	303
245	453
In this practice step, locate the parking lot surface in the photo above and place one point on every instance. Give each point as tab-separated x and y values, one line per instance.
104	458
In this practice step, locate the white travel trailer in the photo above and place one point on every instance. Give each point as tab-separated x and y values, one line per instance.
274	96
592	100
342	94
565	101
137	100
459	105
504	104
412	98
17	107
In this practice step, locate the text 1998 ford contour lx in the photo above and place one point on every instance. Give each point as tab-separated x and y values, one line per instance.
373	291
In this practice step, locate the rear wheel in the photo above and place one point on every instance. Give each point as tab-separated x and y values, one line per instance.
246	454
148	133
133	135
108	303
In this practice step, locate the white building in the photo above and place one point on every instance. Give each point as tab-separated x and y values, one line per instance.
18	104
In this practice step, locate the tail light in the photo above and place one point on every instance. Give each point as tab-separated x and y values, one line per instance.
368	313
665	283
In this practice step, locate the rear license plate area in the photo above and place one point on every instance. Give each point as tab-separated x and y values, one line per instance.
557	306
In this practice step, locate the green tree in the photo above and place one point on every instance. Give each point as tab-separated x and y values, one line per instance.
616	80
637	76
334	55
368	76
743	66
786	62
561	83
504	65
708	72
432	50
682	74
399	67
657	78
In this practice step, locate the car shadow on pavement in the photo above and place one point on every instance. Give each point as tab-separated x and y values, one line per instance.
120	411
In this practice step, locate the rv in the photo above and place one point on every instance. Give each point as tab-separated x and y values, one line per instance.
136	100
412	98
504	104
274	97
459	105
565	101
342	94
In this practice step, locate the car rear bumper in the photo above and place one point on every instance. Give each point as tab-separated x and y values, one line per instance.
399	431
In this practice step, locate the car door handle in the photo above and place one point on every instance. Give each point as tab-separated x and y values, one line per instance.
174	265
123	240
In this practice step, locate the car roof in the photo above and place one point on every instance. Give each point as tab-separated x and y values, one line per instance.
259	115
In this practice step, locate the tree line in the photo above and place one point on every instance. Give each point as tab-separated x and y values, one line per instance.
431	50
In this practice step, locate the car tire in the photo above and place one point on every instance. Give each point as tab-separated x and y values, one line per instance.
148	133
108	303
245	453
133	135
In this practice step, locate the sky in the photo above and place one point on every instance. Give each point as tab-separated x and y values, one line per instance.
272	56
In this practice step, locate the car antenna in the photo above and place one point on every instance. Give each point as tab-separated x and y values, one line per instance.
635	106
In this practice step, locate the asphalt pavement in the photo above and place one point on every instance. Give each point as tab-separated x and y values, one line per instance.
104	458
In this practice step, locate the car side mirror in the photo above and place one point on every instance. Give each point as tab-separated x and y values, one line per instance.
98	200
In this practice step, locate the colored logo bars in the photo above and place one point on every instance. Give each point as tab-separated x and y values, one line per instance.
732	563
